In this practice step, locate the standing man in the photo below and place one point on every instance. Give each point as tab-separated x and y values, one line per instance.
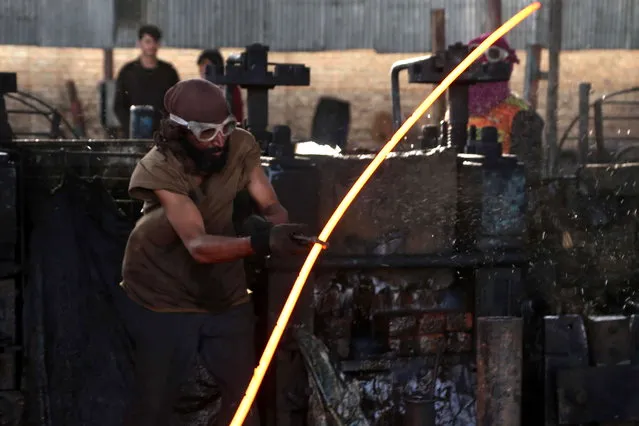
183	266
145	80
214	58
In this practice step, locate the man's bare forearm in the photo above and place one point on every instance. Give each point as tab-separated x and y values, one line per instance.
218	249
275	213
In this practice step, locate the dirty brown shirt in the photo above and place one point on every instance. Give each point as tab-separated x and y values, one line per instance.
158	271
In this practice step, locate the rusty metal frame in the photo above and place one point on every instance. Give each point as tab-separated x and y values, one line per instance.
584	119
39	107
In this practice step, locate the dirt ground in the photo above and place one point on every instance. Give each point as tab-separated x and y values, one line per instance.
360	76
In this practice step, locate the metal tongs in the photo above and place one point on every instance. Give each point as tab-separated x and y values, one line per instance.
309	240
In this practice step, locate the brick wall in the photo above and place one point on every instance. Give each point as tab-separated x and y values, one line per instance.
361	77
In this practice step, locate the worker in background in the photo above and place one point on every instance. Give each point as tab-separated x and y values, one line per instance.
214	58
495	105
183	266
145	80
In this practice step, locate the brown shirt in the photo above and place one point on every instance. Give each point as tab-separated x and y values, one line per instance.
158	271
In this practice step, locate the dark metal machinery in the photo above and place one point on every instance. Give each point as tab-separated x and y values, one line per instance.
488	257
489	250
492	219
432	70
11	258
252	71
295	181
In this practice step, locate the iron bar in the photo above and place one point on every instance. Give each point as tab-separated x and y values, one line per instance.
453	260
89	153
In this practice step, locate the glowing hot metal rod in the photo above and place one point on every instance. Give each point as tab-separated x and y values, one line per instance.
269	351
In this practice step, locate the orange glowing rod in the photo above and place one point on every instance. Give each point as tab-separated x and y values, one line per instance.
269	351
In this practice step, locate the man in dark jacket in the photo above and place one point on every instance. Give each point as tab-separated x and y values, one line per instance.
145	80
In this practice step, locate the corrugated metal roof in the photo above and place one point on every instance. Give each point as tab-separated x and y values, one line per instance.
292	23
19	22
202	23
303	25
75	23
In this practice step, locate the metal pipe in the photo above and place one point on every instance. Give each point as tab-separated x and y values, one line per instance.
81	141
533	74
58	177
458	118
396	68
89	153
467	260
499	371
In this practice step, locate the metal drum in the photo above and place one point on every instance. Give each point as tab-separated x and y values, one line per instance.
141	122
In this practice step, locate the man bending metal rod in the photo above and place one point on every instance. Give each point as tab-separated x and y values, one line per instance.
183	271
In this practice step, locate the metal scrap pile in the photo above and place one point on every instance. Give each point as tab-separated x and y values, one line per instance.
380	399
370	317
362	315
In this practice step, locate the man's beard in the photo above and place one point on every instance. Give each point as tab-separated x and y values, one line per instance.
207	161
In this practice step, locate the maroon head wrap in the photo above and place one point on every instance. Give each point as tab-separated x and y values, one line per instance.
197	100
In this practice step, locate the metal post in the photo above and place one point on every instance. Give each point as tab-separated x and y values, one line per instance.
493	15
438	43
108	63
584	122
499	371
533	64
554	49
533	74
458	116
599	131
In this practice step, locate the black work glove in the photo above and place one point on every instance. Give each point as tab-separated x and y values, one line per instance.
267	238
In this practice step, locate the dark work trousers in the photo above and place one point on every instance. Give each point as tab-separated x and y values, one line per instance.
165	348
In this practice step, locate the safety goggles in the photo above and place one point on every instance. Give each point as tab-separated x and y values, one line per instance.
493	54
206	132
